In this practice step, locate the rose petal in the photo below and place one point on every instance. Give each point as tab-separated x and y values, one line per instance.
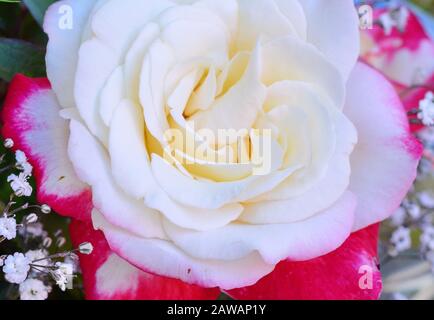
287	58
384	162
209	194
163	258
301	240
252	24
343	274
404	56
326	21
31	118
128	155
119	208
63	45
107	276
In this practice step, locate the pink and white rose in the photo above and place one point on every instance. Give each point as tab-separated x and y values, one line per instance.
342	155
405	56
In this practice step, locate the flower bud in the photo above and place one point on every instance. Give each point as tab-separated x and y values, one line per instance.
85	248
45	209
60	242
8	143
47	242
31	218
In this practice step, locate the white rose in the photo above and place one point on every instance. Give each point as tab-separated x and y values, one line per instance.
128	72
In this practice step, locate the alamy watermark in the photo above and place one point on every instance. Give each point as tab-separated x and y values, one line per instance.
226	146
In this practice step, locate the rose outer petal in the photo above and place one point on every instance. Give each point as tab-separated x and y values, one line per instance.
348	273
403	56
107	276
31	119
384	162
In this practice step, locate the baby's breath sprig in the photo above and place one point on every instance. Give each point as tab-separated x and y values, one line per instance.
35	271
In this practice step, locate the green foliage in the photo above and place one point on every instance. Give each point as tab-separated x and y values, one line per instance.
426	4
17	56
37	8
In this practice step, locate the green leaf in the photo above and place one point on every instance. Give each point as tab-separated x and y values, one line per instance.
37	8
17	56
8	15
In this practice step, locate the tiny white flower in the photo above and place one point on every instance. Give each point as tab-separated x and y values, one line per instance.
27	169
85	248
20	185
401	239
20	157
387	22
38	257
396	18
47	242
62	274
401	18
398	218
45	209
426	199
16	268
33	289
33	230
426	109
414	211
60	242
427	238
430	258
8	143
8	228
427	135
22	163
73	259
31	218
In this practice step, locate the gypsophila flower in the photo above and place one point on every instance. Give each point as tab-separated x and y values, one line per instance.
8	228
62	274
22	163
33	289
427	136
414	211
31	218
39	257
45	209
20	185
427	238
85	248
430	258
33	230
398	218
47	242
395	18
426	109
60	242
73	260
400	240
387	22
16	268
426	199
401	18
8	143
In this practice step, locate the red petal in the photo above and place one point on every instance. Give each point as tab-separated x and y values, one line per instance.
335	276
108	277
31	118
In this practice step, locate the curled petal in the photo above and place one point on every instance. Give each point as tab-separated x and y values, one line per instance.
106	276
31	119
351	272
